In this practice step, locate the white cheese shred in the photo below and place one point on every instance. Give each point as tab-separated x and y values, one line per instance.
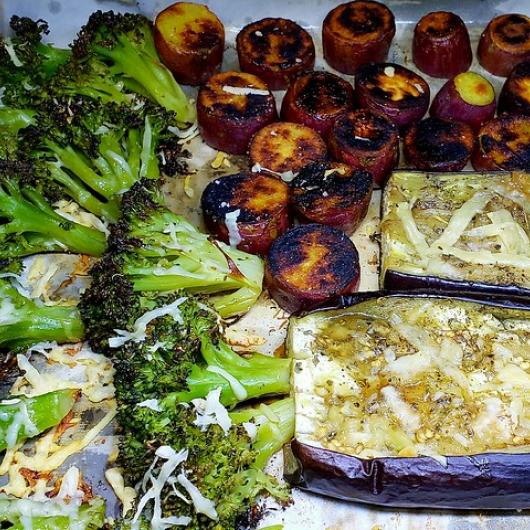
237	388
210	411
244	91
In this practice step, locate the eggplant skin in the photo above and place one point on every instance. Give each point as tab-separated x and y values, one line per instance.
489	481
400	281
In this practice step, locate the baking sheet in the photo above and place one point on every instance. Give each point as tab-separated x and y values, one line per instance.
264	328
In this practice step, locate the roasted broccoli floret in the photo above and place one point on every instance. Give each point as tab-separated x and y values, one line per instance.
159	251
125	44
25	321
30	225
26	63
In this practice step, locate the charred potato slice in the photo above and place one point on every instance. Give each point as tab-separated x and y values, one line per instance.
333	194
504	43
231	107
285	146
356	33
467	97
309	265
441	46
515	94
503	143
367	140
317	99
393	90
438	145
276	50
247	210
190	40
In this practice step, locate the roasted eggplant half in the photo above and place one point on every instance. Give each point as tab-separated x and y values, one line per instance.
368	140
461	232
393	90
467	97
247	210
434	144
356	33
504	43
317	99
441	46
231	107
190	40
276	50
413	402
310	265
503	143
515	93
333	194
285	147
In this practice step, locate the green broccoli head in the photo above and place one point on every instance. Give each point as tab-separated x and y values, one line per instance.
125	44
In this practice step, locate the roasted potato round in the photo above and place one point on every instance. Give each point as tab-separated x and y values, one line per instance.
333	194
441	46
504	43
276	50
190	40
317	99
393	90
364	139
247	210
515	94
356	33
309	265
231	107
285	146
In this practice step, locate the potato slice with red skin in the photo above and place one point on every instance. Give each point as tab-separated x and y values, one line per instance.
227	121
285	146
515	94
263	205
356	33
467	97
438	145
441	46
392	90
190	40
333	194
317	99
276	50
504	43
309	265
503	143
364	139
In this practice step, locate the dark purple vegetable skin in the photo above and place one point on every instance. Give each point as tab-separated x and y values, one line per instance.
493	481
400	281
488	481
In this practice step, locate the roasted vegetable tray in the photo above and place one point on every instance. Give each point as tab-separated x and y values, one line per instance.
264	328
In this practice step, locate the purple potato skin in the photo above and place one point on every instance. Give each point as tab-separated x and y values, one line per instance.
449	105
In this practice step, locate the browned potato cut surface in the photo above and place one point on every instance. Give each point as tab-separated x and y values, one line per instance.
309	265
247	210
285	146
190	40
515	94
275	49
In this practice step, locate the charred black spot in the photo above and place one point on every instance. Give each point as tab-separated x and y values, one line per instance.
312	187
361	19
514	29
364	130
254	108
323	91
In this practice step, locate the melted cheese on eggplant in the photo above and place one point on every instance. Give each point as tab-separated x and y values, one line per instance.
409	377
468	227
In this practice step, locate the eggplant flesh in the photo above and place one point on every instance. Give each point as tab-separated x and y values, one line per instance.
410	400
457	232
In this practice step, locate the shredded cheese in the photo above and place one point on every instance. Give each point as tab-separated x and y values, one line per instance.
245	91
210	411
237	388
234	237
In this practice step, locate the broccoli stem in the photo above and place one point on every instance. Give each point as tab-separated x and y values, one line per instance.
260	375
13	120
52	58
28	212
